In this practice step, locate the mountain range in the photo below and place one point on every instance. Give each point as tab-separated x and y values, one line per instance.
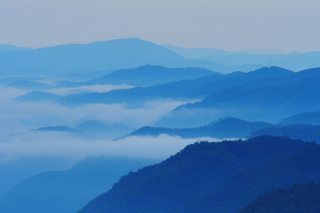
223	128
99	56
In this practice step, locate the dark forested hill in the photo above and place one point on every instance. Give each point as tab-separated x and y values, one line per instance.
68	191
223	128
195	171
300	198
246	186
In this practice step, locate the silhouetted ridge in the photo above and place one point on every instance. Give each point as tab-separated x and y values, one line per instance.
312	118
246	186
150	75
227	127
198	169
296	131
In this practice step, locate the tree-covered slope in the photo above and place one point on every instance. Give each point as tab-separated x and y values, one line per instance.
196	170
299	198
246	186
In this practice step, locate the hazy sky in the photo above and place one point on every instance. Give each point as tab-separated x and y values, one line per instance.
286	25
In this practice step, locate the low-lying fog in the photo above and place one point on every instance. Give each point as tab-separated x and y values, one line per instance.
24	153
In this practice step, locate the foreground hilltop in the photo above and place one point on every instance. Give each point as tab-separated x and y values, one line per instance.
194	178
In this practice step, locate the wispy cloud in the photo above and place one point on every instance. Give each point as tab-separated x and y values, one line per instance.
53	144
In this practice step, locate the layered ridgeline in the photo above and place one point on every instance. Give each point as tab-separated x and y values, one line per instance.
269	99
150	75
296	131
68	191
299	198
188	89
140	76
223	128
200	177
267	94
293	61
312	118
92	129
99	56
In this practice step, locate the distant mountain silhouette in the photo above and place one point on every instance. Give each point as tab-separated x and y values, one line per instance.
93	129
298	198
77	58
312	118
254	57
265	99
103	56
68	191
35	96
29	85
57	129
5	47
103	129
297	131
188	89
204	168
196	53
223	128
150	75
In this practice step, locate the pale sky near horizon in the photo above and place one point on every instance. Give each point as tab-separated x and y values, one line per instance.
285	25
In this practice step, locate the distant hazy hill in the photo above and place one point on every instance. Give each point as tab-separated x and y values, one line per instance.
38	96
265	99
258	57
203	168
5	47
312	118
68	191
103	129
299	198
150	75
93	129
100	56
196	53
298	131
76	58
58	129
223	128
29	85
189	89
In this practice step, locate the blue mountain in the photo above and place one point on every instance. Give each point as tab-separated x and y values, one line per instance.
68	191
97	56
223	128
312	118
36	96
212	177
150	75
